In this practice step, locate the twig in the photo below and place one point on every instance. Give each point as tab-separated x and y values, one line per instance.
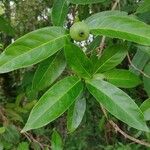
27	137
102	43
4	118
115	4
129	59
101	46
115	126
117	129
34	140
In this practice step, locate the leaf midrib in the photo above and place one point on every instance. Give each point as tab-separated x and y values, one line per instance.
119	79
30	50
60	16
83	68
110	29
47	69
106	61
119	105
54	103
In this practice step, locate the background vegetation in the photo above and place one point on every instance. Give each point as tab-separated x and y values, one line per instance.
16	98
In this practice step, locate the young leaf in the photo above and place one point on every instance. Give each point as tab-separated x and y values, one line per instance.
76	113
118	25
117	103
6	27
122	78
32	48
145	107
77	60
56	141
48	71
84	2
111	57
54	102
139	61
59	12
146	80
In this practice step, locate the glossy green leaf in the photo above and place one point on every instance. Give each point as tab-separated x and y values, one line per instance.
77	60
48	71
118	25
84	2
146	80
118	103
56	141
54	102
5	26
145	107
32	48
111	57
75	114
59	12
122	78
139	61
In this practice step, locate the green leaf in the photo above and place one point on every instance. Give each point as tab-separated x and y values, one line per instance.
117	103
32	48
59	12
54	102
56	141
146	80
2	130
23	146
139	61
1	46
14	115
48	71
1	146
11	134
5	26
84	2
122	78
111	57
145	107
118	25
94	44
144	7
35	146
145	49
75	114
77	60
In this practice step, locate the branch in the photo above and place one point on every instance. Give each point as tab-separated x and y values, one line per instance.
117	129
129	59
32	139
115	126
102	43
